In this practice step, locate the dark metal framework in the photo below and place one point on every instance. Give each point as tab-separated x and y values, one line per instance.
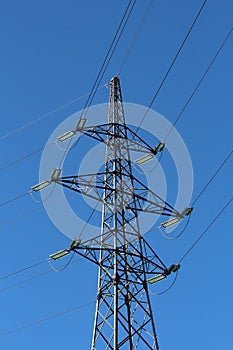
124	317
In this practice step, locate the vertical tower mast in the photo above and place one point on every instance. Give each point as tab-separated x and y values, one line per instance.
123	312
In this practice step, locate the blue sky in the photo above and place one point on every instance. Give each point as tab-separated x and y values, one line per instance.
51	54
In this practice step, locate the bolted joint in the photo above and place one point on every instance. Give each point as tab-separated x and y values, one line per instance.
145	286
115	279
128	298
99	294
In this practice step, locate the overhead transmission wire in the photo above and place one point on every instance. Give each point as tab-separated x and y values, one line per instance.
92	92
212	177
90	99
46	115
172	64
30	154
23	269
205	187
100	75
39	275
200	81
90	95
25	280
106	62
197	198
180	114
93	302
94	88
182	111
152	100
135	36
19	216
205	231
98	79
13	199
28	212
110	52
102	71
75	308
159	293
195	89
48	259
29	279
178	117
188	251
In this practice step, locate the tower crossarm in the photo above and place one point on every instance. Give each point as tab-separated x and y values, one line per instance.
103	132
153	264
142	199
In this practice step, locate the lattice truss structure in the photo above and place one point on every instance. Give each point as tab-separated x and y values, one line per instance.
123	317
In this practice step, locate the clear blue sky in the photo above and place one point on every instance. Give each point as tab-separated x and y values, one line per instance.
51	52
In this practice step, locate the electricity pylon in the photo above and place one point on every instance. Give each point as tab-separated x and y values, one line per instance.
127	263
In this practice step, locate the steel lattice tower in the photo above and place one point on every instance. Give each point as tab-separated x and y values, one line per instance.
123	310
123	317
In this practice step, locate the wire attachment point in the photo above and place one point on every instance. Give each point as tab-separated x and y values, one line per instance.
159	147
75	243
173	268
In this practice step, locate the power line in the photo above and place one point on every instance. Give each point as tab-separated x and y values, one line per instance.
135	36
212	177
206	230
44	116
16	217
172	127
200	81
178	117
13	199
13	330
39	275
196	199
94	89
90	95
28	155
172	64
110	53
23	269
25	280
47	260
